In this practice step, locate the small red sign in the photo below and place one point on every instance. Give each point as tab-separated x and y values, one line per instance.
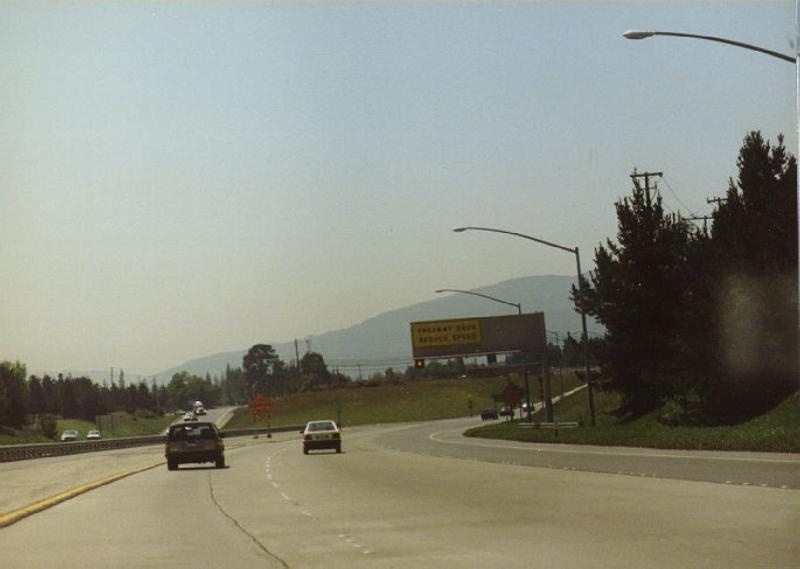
261	405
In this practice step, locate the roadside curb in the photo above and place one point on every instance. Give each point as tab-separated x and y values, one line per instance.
14	516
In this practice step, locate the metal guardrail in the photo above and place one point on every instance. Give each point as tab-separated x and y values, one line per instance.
41	450
551	425
10	453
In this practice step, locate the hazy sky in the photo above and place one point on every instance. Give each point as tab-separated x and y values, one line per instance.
183	179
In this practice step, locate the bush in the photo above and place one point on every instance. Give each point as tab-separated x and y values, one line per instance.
686	410
47	426
145	414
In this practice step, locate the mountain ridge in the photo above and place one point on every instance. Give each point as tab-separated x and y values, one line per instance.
384	340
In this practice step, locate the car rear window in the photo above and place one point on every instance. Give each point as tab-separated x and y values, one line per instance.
185	432
322	426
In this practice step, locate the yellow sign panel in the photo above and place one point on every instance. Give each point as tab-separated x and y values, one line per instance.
446	333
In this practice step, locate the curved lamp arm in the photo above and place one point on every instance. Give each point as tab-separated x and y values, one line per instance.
642	34
519	306
493	230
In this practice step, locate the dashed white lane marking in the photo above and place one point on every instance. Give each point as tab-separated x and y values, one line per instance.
354	544
346	538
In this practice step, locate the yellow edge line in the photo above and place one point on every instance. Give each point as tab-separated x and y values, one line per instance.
16	515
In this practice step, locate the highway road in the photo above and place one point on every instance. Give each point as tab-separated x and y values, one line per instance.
415	495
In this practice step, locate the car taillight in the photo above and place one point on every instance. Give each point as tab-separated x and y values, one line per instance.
306	437
335	435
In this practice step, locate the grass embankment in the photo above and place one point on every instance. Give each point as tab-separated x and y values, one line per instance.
124	425
776	431
417	400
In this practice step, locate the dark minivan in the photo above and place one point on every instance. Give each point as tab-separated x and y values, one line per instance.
194	442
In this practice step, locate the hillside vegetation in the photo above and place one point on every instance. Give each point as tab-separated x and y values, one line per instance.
123	425
775	431
389	402
405	401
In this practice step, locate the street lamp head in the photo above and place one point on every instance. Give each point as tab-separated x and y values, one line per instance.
638	34
439	290
459	229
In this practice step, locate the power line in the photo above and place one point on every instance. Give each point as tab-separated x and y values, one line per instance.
675	195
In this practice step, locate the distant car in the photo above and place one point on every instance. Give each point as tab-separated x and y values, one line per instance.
198	442
322	435
506	411
69	435
189	417
93	435
488	414
200	411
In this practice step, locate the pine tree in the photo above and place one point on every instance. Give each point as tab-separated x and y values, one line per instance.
753	287
637	292
14	396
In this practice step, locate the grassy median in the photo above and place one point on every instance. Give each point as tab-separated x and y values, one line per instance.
776	431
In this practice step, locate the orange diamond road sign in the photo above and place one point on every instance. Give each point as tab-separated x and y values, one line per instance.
260	405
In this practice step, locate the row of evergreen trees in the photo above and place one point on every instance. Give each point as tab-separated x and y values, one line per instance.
703	319
22	399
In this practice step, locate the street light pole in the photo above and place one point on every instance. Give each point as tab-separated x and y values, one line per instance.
642	34
575	252
585	341
519	312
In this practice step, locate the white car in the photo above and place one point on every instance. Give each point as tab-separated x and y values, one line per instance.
93	435
189	417
322	435
69	435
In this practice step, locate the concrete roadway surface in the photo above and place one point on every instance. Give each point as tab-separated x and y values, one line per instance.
417	495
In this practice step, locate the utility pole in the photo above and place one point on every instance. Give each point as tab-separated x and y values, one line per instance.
646	175
296	362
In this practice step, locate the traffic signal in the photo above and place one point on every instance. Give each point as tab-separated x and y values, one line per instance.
419	363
